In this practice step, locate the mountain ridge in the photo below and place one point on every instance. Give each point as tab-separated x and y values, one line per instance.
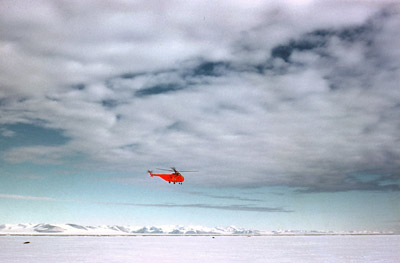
75	229
70	229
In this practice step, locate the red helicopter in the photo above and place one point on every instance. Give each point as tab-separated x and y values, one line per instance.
175	177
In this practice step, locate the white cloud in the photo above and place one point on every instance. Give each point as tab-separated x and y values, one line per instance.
38	154
193	84
26	197
6	132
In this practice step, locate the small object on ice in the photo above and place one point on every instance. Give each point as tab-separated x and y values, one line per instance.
213	237
27	242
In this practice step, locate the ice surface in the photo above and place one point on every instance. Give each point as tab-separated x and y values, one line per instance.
121	249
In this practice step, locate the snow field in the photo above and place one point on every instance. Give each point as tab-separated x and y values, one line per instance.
221	249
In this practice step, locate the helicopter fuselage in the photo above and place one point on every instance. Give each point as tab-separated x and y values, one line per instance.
173	177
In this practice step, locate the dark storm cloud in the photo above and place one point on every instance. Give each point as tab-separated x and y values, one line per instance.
227	197
255	94
353	183
246	208
318	40
209	68
109	103
158	89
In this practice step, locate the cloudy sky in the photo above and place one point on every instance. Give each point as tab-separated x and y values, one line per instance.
289	110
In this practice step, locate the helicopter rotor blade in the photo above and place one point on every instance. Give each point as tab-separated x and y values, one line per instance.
173	169
169	170
179	171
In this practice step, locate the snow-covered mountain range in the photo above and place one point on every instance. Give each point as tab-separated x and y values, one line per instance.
74	229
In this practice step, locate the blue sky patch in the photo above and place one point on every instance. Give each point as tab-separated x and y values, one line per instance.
28	135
